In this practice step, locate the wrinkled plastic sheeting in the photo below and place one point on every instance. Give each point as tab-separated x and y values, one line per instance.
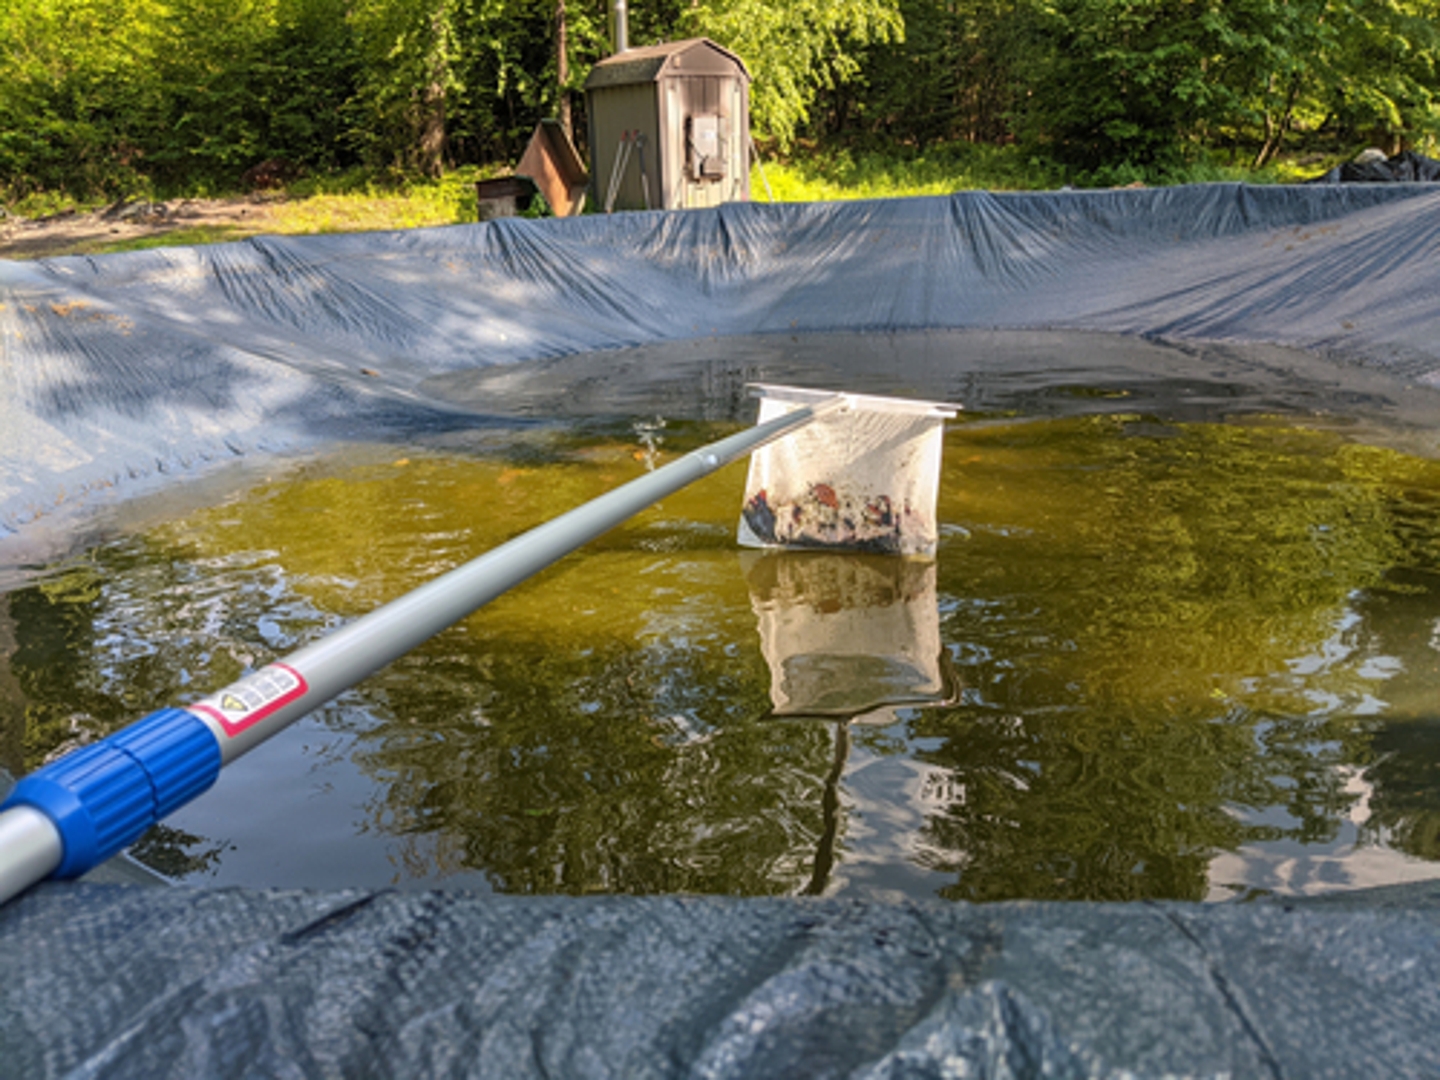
117	981
124	366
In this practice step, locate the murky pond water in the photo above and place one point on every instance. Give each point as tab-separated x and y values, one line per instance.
1154	657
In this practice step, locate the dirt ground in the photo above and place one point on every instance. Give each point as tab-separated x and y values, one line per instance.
188	220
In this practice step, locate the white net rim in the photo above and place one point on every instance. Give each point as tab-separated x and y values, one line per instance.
800	395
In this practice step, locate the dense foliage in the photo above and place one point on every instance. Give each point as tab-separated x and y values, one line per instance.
1151	84
114	97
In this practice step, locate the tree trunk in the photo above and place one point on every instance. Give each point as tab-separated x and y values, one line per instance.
432	101
1267	145
432	131
562	71
1276	129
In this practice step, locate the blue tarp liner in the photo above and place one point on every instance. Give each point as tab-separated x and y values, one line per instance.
121	365
174	983
121	369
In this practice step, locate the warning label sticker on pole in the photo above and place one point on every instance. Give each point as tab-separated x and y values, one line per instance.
245	703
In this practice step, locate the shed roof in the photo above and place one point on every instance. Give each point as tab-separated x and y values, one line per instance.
694	56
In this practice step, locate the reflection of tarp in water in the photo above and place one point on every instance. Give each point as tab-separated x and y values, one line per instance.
847	634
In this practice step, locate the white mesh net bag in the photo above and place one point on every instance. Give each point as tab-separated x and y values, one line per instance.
864	477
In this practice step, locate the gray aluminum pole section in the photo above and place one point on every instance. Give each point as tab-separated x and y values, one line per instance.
30	849
248	712
344	657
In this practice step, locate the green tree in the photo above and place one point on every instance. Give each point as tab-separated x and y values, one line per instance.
1123	82
1384	81
210	67
1366	70
958	74
510	71
100	99
77	95
306	83
794	51
1148	83
409	77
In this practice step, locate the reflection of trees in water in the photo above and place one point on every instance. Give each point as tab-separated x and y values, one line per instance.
1155	571
1034	812
1405	803
1135	619
630	769
1073	804
1128	613
138	627
176	853
134	628
827	849
1402	623
54	665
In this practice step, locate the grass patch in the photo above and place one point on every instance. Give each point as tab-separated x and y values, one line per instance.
196	234
813	175
823	175
359	200
360	213
47	204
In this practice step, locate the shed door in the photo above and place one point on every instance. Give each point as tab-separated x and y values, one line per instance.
617	113
703	96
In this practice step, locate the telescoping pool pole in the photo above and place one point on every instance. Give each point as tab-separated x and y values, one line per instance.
75	813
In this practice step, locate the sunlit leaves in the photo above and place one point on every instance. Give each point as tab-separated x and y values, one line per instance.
794	50
104	99
73	80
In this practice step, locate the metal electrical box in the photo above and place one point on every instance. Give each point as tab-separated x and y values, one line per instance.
705	153
669	127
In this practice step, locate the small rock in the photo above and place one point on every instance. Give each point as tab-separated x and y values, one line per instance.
140	210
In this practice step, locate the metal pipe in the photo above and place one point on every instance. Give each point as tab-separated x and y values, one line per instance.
619	27
344	657
30	849
75	813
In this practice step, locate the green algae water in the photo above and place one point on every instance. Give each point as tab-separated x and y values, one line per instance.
1181	660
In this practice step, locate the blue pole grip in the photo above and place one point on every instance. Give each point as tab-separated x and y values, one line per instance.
104	796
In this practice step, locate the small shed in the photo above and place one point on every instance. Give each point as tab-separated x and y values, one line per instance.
669	127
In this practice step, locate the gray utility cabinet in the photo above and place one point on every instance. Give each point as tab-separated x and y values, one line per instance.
669	127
